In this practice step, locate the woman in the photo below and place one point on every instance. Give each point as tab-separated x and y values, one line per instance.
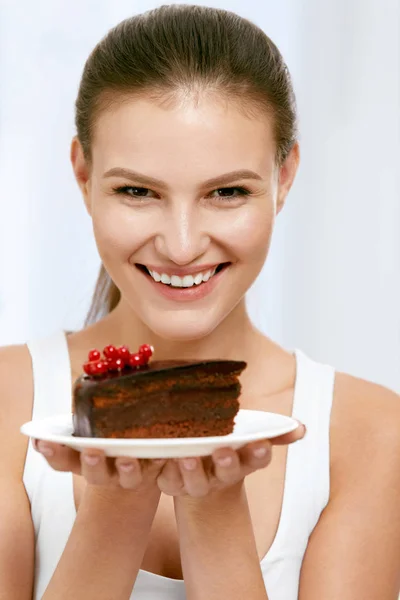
185	152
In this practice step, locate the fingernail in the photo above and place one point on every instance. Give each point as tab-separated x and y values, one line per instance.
91	459
189	464
46	450
260	452
224	461
126	467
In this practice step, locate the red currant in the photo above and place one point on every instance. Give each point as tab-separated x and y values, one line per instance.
115	364
110	352
137	360
88	368
94	355
146	351
124	354
100	367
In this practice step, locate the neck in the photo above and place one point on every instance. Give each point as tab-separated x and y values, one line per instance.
235	338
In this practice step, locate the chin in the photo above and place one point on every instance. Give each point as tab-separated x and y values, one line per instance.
182	326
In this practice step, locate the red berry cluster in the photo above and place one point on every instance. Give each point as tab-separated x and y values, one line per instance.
116	359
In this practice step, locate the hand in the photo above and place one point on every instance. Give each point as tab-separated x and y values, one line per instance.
99	470
197	477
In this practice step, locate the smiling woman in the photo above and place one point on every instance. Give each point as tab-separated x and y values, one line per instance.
185	151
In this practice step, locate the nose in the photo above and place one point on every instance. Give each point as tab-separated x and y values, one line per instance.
182	237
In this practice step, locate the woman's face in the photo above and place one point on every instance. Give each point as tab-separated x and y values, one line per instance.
185	194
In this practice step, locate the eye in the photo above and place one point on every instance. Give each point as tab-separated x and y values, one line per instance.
139	192
228	195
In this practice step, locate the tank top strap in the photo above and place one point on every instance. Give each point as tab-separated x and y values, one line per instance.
51	372
307	480
312	406
50	492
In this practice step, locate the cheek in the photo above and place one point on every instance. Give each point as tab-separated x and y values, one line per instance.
118	231
251	234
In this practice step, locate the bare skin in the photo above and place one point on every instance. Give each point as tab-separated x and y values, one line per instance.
162	517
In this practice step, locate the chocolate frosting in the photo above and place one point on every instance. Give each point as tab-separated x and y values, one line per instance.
223	367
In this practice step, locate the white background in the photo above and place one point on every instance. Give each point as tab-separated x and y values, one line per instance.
331	285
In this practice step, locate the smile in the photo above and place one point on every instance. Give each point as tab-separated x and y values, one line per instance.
185	288
188	281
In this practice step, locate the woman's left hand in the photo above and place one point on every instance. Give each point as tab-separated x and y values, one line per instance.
197	477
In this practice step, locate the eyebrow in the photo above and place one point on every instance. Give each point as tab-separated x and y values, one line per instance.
215	181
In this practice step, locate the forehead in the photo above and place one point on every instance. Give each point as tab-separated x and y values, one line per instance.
209	136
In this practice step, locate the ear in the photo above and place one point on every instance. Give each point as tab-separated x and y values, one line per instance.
287	173
81	171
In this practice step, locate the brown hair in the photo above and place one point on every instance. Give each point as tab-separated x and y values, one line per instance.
179	51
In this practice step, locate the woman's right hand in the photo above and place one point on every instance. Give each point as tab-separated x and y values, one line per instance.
100	470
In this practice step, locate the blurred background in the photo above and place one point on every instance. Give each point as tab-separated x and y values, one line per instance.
331	285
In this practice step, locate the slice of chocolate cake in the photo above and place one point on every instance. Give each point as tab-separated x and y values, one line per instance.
160	399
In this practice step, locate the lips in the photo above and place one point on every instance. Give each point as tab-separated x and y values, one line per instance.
195	293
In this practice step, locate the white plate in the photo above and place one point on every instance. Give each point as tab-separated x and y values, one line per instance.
250	426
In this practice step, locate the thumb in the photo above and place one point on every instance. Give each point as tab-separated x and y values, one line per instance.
291	437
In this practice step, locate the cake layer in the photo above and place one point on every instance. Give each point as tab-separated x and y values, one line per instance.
105	423
122	397
184	429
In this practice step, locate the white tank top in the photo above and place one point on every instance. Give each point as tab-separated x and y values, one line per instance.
306	489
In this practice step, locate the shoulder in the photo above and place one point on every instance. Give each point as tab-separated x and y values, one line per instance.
16	399
365	430
15	372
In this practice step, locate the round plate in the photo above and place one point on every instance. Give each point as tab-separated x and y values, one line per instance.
250	426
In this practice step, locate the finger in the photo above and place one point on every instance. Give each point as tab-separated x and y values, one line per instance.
152	467
60	458
96	469
227	467
170	480
255	456
291	437
195	480
129	472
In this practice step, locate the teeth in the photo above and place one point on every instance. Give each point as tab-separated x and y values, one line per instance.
186	282
176	281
